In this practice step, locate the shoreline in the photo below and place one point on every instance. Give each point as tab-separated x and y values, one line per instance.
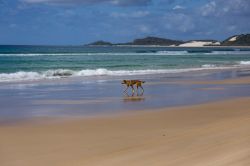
158	72
77	98
206	134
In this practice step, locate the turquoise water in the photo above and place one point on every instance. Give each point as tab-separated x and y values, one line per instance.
98	72
19	63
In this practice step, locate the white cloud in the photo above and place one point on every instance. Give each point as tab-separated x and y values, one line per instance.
137	14
208	9
228	7
178	7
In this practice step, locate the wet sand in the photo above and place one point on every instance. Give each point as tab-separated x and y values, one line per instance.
234	81
244	80
208	134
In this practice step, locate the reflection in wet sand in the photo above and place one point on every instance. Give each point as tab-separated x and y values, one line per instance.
133	97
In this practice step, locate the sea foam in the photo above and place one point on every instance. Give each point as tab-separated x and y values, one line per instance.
60	73
20	76
244	62
208	66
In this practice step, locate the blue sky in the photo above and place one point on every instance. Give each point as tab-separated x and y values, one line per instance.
74	22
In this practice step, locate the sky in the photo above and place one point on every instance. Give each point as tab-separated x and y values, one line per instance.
76	22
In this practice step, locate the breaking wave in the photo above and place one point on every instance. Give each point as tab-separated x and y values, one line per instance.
61	73
244	62
209	66
20	76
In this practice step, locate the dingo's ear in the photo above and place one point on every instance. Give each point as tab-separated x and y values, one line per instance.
123	82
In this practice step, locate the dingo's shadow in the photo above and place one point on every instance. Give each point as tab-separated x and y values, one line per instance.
134	97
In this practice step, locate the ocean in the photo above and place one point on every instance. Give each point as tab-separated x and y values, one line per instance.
28	63
53	81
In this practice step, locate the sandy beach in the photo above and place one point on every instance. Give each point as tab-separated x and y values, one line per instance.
124	83
210	134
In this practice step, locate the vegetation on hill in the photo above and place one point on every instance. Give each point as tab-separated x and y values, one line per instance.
100	43
156	41
237	40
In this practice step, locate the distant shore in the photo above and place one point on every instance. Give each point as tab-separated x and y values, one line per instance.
236	40
167	46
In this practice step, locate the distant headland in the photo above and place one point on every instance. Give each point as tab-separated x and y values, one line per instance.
236	40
